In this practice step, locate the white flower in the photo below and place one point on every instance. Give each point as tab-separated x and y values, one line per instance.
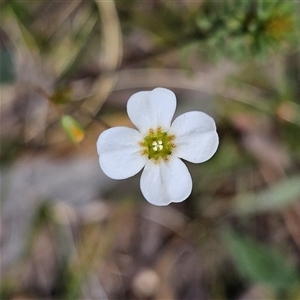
158	146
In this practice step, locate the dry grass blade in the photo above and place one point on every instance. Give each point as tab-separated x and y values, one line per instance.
292	222
111	58
53	15
27	49
174	78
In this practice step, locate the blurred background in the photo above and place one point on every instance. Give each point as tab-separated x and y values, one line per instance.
67	69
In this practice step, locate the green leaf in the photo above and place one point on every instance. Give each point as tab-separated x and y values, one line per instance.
274	198
261	265
72	128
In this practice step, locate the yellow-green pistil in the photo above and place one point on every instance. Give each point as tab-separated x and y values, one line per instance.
157	144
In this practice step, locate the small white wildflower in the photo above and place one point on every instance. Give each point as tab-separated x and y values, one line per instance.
158	146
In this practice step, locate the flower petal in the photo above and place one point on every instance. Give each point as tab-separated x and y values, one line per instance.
196	136
152	109
119	152
166	182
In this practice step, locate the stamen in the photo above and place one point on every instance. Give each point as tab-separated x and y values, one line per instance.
157	145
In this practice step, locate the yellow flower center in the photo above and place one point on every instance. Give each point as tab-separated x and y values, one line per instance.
157	144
